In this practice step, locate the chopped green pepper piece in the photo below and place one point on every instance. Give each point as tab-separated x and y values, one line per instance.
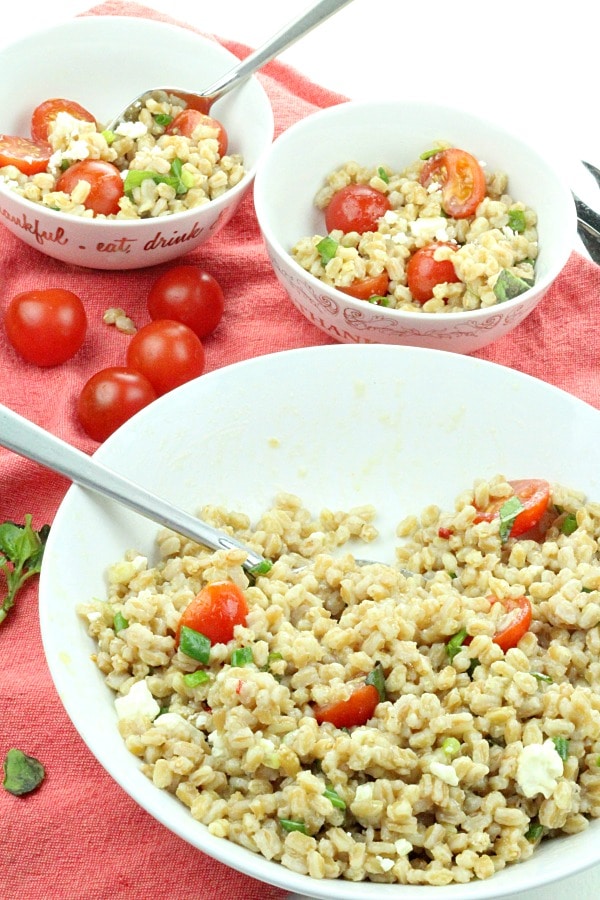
542	677
327	248
242	656
163	119
22	773
119	622
194	679
508	286
109	136
455	643
508	513
569	524
292	825
377	679
194	644
516	220
261	568
334	797
534	832
562	746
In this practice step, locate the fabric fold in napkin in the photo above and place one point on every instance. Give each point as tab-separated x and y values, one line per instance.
80	836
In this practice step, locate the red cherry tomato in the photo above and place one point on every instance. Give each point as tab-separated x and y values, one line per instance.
365	288
28	157
168	353
357	709
356	207
44	115
46	327
187	294
110	397
534	494
215	612
515	623
106	184
461	178
423	271
188	120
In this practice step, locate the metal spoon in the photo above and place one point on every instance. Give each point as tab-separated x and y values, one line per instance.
203	100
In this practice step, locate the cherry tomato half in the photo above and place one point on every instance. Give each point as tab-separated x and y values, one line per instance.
168	353
44	115
515	623
356	207
46	327
187	294
365	288
111	397
27	156
461	178
423	271
187	121
215	612
357	709
104	179
534	495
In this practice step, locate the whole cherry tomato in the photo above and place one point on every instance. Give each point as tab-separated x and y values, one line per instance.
423	271
104	179
111	397
46	327
461	179
188	120
168	353
44	115
356	207
29	157
187	294
215	611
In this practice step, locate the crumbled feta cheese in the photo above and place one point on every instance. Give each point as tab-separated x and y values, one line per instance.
403	847
131	129
445	773
176	726
538	768
390	217
138	702
94	616
386	864
433	228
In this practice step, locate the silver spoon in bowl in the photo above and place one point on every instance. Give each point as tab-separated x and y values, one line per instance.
203	100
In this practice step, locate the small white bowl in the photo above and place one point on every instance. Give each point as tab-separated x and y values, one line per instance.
395	134
103	62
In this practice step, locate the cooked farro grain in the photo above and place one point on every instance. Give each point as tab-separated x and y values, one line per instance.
498	242
473	753
141	146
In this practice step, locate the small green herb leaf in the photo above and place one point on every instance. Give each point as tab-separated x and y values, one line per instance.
569	524
22	773
194	679
508	513
377	679
509	285
119	622
455	643
21	553
383	174
293	825
561	744
516	220
534	832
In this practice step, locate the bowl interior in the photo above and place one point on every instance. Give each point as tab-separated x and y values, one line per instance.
103	62
395	134
347	425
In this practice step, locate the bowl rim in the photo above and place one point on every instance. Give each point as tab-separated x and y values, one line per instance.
386	107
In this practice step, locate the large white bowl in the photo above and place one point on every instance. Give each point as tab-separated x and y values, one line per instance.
103	62
346	425
395	134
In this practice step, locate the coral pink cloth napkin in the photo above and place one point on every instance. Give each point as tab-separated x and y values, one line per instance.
80	836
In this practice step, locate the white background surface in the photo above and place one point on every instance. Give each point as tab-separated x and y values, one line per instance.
532	65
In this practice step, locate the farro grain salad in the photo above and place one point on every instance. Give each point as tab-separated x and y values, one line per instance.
426	722
172	158
443	235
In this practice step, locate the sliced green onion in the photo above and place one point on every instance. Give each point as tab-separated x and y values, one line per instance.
119	622
562	746
194	644
293	825
193	679
534	832
429	153
516	220
455	643
451	746
109	136
163	119
569	524
509	285
378	300
542	677
383	174
508	513
377	679
334	797
327	248
261	568
242	656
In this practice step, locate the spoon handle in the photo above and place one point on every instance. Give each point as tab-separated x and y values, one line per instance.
29	440
288	35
